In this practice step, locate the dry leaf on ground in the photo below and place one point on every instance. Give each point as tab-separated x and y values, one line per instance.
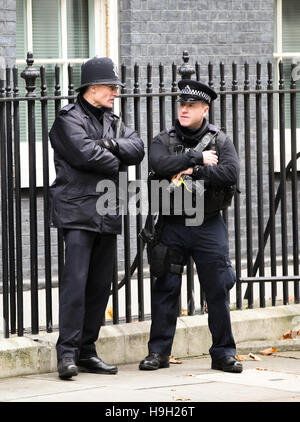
173	360
254	357
241	358
269	351
261	369
180	398
286	335
290	334
109	313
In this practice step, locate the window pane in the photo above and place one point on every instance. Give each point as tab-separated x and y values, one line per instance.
291	26
22	104
76	75
46	29
50	83
21	30
78	32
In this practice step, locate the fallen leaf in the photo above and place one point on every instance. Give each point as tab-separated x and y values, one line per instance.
109	313
254	357
289	334
190	375
241	358
261	369
269	351
180	398
298	333
184	312
173	360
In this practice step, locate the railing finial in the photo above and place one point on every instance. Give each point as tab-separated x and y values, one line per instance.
30	74
186	70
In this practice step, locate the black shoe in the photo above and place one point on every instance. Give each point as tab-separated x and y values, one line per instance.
95	365
154	361
67	368
227	364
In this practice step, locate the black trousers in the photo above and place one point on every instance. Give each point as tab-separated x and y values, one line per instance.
84	291
208	245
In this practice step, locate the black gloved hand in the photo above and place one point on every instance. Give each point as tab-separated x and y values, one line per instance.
109	144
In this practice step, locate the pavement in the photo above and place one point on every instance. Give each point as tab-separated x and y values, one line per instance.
185	384
28	369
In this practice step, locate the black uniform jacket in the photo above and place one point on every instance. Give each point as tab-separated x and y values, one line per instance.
225	173
81	164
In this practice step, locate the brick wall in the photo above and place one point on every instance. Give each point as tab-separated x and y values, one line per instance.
8	31
157	31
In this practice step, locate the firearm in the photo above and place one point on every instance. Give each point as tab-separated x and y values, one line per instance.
185	178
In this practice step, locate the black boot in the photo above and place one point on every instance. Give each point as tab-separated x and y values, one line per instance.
67	368
154	361
95	365
227	364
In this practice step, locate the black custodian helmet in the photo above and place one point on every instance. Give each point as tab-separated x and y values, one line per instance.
99	71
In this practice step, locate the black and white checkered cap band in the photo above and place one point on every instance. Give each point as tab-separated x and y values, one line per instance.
188	91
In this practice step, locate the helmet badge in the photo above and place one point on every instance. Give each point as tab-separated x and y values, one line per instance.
115	70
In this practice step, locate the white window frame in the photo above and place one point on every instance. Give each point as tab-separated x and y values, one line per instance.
103	41
280	55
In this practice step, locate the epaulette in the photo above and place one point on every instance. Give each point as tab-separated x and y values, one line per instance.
169	138
212	128
67	108
171	130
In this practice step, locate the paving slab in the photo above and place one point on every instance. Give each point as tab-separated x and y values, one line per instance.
274	378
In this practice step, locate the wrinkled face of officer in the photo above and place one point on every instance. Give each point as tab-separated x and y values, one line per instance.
101	95
190	115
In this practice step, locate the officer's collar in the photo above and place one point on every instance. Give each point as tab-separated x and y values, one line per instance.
89	108
190	136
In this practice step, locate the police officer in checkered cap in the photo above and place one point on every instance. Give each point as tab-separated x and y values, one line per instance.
195	91
196	149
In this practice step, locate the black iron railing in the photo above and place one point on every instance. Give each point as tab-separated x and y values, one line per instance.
263	222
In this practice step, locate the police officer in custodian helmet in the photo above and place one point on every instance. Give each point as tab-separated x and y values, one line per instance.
90	145
217	165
